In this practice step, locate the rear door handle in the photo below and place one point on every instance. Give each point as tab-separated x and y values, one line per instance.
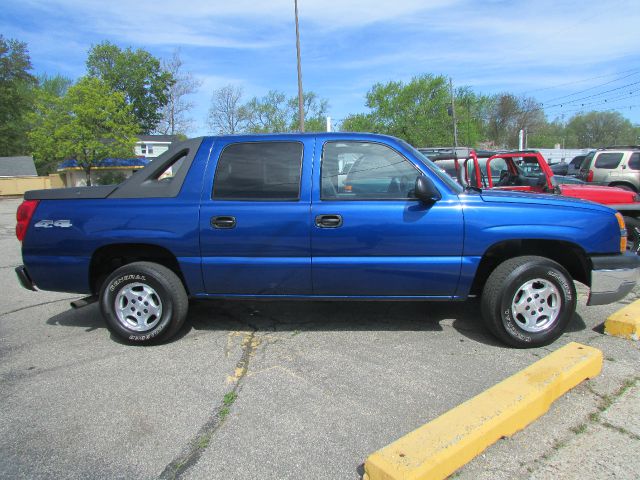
223	222
328	221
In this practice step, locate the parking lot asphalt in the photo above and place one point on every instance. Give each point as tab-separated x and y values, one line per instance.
284	390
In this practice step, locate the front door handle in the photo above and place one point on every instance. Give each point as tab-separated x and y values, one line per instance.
223	222
328	221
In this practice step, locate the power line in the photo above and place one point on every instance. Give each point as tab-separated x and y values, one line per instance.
591	96
594	87
579	81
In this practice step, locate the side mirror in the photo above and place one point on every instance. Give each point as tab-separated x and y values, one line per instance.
425	190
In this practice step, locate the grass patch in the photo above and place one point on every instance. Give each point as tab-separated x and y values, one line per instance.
203	441
229	398
223	413
579	429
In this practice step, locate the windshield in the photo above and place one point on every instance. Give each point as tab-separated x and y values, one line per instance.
450	182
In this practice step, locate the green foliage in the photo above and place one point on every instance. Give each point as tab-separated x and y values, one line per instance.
415	111
138	75
111	178
16	96
315	113
275	113
90	123
267	114
54	85
360	122
600	129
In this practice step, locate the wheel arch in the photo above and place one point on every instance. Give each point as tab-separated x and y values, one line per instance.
620	183
571	256
108	258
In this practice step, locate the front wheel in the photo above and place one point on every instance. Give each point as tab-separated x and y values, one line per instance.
528	301
143	302
633	234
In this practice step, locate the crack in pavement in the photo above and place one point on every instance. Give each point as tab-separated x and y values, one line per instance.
37	305
199	443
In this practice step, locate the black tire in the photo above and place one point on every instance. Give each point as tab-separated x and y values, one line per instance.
504	295
158	289
633	234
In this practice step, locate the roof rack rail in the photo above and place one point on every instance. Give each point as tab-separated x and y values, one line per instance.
616	147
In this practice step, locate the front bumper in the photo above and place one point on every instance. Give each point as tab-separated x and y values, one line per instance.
613	277
24	278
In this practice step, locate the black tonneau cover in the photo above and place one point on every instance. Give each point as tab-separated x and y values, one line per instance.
143	184
102	191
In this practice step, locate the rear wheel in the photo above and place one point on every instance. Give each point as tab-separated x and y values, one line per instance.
528	301
143	302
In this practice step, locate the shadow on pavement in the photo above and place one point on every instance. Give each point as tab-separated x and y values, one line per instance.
294	316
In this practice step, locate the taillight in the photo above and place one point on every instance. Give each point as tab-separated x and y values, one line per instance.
23	215
590	176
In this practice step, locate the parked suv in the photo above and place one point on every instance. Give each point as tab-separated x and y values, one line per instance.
613	166
570	169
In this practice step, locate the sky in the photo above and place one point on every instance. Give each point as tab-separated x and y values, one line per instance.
569	55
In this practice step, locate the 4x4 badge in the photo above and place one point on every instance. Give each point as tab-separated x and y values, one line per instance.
53	223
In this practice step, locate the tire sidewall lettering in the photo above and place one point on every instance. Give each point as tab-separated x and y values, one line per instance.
134	277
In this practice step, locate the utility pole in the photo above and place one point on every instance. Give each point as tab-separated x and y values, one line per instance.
300	96
453	115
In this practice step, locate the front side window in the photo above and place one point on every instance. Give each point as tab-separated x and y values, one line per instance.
365	171
608	160
263	171
634	161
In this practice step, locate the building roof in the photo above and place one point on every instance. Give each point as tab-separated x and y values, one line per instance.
108	162
17	167
158	138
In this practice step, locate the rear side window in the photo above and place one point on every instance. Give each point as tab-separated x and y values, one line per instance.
608	160
634	161
263	171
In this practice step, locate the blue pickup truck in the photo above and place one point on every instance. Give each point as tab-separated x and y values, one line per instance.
336	216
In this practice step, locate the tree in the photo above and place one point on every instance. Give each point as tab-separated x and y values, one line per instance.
174	119
54	85
360	122
415	111
90	123
16	96
226	114
268	114
509	114
48	94
315	113
600	129
138	75
275	113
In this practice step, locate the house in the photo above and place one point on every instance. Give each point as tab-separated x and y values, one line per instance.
115	170
18	175
151	146
17	167
106	172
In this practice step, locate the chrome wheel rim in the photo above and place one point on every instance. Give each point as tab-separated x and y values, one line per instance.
536	305
138	307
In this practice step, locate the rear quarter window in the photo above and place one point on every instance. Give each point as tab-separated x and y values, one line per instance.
634	161
608	160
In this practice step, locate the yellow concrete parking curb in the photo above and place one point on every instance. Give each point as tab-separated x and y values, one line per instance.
625	322
443	445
